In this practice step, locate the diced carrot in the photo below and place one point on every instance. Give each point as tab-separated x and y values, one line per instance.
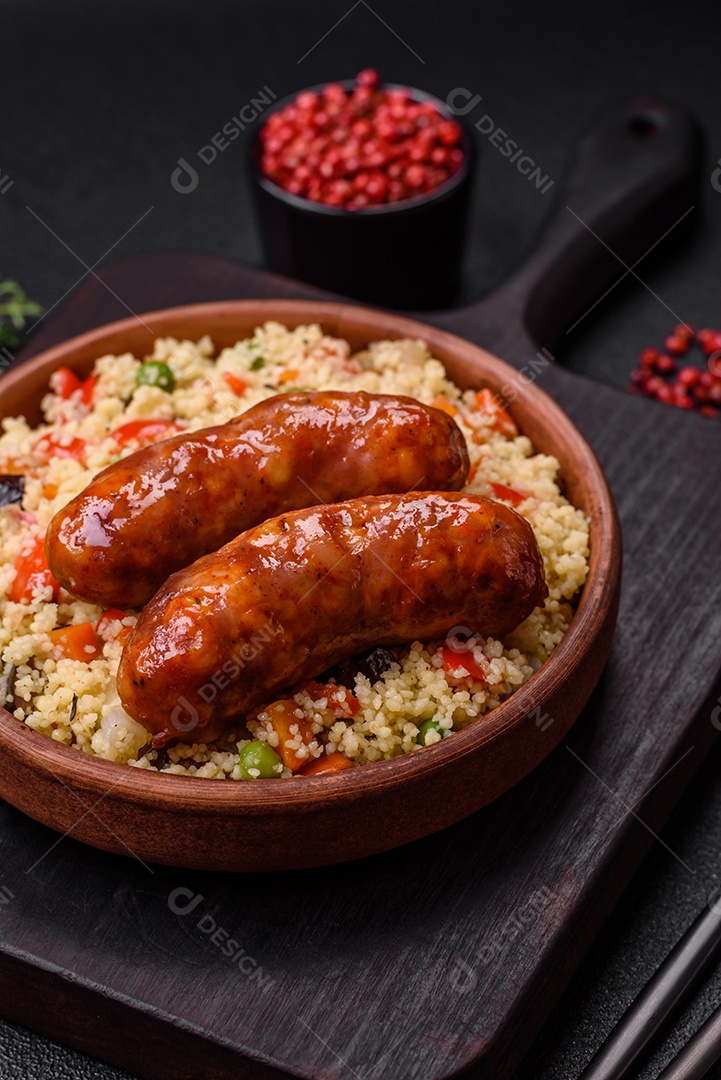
50	491
324	766
32	572
144	431
289	728
16	467
111	622
494	414
509	494
287	376
59	446
453	662
340	699
77	642
444	405
236	384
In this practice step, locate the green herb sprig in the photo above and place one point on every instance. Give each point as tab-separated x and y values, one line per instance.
15	310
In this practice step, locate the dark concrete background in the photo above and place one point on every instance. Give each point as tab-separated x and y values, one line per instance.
100	102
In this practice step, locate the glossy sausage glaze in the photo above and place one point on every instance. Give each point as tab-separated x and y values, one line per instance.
300	592
164	506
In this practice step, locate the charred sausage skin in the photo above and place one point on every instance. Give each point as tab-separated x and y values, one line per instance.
289	598
164	506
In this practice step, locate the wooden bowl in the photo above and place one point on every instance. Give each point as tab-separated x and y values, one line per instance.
272	825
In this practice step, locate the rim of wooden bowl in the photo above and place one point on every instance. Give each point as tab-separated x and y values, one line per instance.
469	365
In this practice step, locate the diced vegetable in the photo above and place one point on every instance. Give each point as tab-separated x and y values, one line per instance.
324	766
12	489
454	662
259	761
110	625
444	405
287	376
65	383
88	390
426	726
59	446
340	699
77	642
290	728
494	414
236	384
32	572
144	431
508	494
257	363
17	466
156	373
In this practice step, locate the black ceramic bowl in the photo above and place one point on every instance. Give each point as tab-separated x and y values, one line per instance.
405	254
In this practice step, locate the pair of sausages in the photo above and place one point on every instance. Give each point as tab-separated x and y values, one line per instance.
164	506
280	586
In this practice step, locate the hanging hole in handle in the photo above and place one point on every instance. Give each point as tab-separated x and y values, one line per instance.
643	127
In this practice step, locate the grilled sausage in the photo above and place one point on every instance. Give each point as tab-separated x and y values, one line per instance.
289	598
164	506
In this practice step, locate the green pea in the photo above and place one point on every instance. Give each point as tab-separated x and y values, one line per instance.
156	373
261	757
426	726
257	363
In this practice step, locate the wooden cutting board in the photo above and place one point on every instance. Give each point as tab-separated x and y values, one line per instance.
450	953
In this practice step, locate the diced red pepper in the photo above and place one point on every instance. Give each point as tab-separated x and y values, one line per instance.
32	572
77	642
65	383
108	621
236	384
59	446
494	414
461	661
145	431
509	494
88	389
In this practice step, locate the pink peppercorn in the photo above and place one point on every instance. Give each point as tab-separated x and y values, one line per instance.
386	146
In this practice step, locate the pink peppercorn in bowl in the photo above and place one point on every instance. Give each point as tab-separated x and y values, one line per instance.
363	189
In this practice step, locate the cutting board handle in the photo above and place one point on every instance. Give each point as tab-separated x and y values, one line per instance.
634	178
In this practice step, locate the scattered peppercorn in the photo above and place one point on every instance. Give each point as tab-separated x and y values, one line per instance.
360	147
689	387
